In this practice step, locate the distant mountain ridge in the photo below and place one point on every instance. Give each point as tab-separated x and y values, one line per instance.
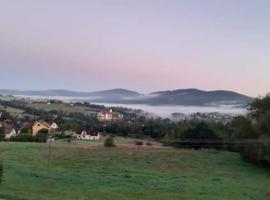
187	97
69	93
199	97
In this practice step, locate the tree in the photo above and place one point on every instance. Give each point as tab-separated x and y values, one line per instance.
69	126
257	151
26	129
5	115
43	131
200	136
260	108
241	128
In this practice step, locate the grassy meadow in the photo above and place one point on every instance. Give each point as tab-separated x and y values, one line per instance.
63	107
88	171
12	111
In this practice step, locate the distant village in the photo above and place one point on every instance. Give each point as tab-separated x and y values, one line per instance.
82	121
206	117
11	129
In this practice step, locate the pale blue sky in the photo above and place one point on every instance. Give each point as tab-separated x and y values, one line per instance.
144	45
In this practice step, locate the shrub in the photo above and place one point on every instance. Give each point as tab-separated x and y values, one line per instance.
25	130
139	142
23	138
41	137
62	135
109	141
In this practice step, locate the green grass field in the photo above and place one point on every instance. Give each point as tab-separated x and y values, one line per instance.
12	111
86	171
63	107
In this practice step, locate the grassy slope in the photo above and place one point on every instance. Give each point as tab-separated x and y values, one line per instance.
12	111
44	106
63	107
81	171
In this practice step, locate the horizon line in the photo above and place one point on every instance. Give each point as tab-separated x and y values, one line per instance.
131	90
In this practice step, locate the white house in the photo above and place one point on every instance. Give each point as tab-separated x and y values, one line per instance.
105	115
87	135
10	132
54	125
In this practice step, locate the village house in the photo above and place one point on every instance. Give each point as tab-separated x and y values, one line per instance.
105	115
10	132
39	125
9	129
109	115
87	135
54	126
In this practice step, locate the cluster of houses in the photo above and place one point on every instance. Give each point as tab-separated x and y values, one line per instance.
11	130
212	117
83	134
206	117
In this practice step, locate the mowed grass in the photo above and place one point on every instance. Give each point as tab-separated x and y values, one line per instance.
84	171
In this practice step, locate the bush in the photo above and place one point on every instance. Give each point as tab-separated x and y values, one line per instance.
148	143
62	135
25	130
41	138
109	141
139	142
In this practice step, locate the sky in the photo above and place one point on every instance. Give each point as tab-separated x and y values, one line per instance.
142	45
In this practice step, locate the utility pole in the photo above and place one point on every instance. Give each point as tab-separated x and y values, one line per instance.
50	152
